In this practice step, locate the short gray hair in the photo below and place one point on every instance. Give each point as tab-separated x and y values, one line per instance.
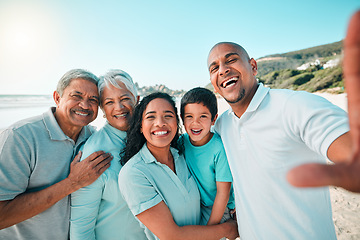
75	74
113	77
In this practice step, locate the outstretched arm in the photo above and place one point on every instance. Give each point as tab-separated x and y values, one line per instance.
346	173
27	205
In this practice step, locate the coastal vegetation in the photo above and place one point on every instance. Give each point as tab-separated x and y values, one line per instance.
312	69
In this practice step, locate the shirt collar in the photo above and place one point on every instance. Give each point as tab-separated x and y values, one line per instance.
258	97
55	132
149	158
117	132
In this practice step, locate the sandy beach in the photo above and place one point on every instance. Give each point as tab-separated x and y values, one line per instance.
345	205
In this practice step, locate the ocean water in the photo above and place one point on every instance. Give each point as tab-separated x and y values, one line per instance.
14	108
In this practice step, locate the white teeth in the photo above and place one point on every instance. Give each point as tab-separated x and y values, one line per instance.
160	133
121	115
196	131
225	84
81	114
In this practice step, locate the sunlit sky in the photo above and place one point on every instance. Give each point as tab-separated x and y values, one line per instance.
156	42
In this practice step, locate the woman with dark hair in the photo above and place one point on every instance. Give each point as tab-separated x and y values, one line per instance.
155	181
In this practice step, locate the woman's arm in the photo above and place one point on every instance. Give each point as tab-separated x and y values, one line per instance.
159	221
220	203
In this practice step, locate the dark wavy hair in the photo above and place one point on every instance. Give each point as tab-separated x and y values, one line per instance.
135	139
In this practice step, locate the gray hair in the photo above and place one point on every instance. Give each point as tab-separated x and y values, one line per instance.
74	74
113	77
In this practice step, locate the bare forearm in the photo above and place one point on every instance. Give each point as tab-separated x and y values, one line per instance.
27	205
220	202
208	232
218	209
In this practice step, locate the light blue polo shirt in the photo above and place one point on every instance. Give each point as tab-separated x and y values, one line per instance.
208	164
98	211
145	182
35	154
279	130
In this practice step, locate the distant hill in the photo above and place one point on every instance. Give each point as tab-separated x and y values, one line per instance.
311	69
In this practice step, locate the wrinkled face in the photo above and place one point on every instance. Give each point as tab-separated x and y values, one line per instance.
197	123
78	106
118	106
159	123
232	73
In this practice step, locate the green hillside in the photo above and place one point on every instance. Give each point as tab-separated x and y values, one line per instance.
310	69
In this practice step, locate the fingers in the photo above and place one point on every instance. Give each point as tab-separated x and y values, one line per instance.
77	157
351	68
315	175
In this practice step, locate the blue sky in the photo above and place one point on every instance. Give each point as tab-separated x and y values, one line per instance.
156	42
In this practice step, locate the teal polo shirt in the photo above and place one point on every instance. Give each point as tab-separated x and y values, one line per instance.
98	211
145	182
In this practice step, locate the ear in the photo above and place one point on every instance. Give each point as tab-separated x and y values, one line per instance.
213	121
57	98
253	64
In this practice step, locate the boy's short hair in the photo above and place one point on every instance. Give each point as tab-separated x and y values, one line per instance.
200	95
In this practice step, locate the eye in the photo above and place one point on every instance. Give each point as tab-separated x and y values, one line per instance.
76	96
94	100
169	116
109	102
203	116
231	60
150	117
188	116
214	69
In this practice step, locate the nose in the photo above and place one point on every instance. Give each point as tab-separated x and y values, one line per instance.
85	104
160	122
223	70
119	105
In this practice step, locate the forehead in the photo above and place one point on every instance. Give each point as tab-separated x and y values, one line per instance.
82	86
223	50
159	105
196	107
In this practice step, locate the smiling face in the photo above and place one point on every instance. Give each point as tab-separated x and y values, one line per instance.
78	106
232	73
197	123
159	124
118	105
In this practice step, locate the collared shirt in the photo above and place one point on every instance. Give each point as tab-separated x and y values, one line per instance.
145	182
98	211
35	154
279	130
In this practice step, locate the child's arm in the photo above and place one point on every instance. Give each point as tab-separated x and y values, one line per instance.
221	200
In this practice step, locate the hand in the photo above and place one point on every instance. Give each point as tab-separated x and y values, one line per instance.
346	175
87	171
233	232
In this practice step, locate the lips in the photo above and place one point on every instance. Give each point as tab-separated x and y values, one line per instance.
83	112
160	133
229	82
196	131
121	115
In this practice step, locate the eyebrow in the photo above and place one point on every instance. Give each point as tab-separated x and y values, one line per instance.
226	56
77	92
167	111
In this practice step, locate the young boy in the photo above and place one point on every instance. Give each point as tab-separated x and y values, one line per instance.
205	155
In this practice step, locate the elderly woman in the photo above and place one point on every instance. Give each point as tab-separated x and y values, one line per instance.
155	181
98	211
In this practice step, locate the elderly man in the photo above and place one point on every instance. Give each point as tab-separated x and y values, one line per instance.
36	176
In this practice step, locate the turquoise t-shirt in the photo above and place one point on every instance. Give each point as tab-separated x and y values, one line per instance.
98	211
145	182
208	164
